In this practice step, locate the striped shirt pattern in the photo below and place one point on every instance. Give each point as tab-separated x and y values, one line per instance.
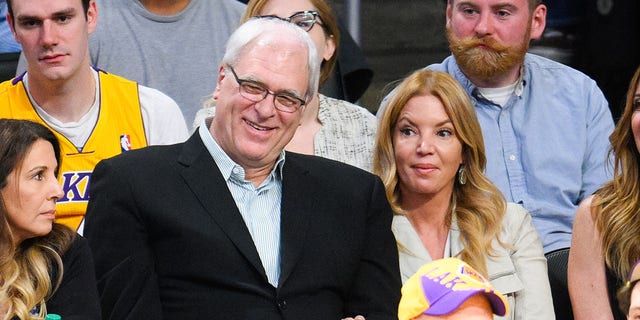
259	206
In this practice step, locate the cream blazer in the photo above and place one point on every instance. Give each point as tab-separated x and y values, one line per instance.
519	271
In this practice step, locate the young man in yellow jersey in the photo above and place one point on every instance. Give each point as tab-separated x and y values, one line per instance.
94	114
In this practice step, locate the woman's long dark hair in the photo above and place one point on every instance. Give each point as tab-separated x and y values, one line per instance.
26	268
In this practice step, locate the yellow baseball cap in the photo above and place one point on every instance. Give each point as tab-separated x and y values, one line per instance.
635	273
441	286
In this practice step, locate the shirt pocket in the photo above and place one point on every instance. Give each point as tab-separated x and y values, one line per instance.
509	284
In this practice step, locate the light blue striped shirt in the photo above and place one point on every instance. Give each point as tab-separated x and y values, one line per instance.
259	207
7	42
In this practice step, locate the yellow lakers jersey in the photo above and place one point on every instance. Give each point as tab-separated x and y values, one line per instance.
119	128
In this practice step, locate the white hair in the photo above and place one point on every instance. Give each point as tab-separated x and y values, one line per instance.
257	28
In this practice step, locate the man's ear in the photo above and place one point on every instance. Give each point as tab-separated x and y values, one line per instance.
538	21
92	17
12	26
221	75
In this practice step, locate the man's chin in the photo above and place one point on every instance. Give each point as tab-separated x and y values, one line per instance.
53	73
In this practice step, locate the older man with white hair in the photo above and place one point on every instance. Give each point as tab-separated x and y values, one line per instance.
230	226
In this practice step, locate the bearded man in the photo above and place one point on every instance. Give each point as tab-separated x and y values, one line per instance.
545	125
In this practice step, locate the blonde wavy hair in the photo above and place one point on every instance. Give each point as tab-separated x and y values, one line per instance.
27	268
478	205
616	207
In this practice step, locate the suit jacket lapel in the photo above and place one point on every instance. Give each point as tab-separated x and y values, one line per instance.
298	202
205	180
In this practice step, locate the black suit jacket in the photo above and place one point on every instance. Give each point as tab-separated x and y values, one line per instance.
170	243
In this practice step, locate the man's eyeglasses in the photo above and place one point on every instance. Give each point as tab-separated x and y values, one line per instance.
256	92
303	19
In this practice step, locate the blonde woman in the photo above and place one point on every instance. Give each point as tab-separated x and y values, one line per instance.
430	155
330	128
606	230
45	267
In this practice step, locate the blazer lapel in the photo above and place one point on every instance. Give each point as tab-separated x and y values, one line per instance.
298	202
204	179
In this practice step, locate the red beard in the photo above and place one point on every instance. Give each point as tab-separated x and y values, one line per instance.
486	57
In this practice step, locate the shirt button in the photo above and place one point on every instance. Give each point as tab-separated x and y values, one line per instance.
236	170
512	157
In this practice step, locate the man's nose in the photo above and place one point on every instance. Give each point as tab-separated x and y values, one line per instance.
48	33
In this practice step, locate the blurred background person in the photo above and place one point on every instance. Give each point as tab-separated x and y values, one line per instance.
45	267
606	232
430	155
352	73
9	48
7	42
170	45
331	128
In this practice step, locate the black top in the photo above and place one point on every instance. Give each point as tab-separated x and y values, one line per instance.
77	296
613	284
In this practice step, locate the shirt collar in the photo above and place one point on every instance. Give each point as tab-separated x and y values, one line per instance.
227	166
520	83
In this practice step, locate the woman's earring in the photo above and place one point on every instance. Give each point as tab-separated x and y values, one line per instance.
461	177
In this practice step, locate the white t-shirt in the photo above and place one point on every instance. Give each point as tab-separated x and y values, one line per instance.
162	118
499	96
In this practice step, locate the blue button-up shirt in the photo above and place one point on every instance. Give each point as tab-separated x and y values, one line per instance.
547	147
7	42
259	206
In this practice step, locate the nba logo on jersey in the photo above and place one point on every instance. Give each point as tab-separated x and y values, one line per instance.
125	143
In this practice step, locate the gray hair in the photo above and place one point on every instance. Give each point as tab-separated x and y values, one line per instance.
257	28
